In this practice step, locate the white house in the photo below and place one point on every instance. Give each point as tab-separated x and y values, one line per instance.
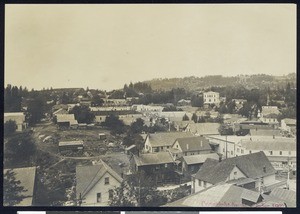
95	184
255	166
289	125
211	97
162	141
18	117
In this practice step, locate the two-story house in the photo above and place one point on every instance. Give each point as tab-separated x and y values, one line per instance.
160	166
95	184
162	141
255	166
211	97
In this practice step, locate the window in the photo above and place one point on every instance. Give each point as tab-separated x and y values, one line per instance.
231	152
110	194
290	152
242	151
238	150
235	173
271	152
99	197
250	151
199	183
106	180
280	152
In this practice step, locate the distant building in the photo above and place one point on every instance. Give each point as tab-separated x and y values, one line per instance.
184	102
27	178
288	125
162	141
203	128
77	145
95	184
18	117
160	166
269	114
211	97
66	121
190	146
255	166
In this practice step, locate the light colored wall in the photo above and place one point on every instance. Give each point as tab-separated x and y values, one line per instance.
198	187
239	174
91	197
147	146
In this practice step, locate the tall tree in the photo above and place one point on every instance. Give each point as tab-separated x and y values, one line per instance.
9	128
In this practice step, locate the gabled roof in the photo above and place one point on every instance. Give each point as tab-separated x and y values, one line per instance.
27	178
251	165
183	124
193	144
194	159
166	138
153	158
221	195
60	111
205	128
88	176
288	196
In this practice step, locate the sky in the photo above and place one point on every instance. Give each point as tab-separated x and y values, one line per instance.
106	46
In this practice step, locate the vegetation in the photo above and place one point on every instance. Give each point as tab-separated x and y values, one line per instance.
83	114
12	190
10	127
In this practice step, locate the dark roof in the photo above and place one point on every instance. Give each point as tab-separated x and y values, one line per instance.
88	176
251	165
153	158
193	144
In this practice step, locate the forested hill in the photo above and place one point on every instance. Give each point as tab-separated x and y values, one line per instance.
198	83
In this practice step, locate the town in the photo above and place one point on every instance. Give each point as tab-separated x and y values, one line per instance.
198	145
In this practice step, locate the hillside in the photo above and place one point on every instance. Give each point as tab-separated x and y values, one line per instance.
199	83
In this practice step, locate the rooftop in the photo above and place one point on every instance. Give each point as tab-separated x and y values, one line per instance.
205	128
153	158
193	144
251	165
166	138
195	159
88	176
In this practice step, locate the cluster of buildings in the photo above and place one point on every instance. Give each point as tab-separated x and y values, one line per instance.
224	171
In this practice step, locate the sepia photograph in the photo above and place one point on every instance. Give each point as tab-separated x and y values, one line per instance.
150	105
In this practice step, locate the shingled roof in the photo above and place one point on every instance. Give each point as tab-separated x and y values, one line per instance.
251	165
276	145
166	138
153	158
88	176
193	144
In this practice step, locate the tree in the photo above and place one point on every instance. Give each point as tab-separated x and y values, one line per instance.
195	117
9	128
197	101
19	148
83	114
137	126
115	124
225	130
138	190
12	190
97	101
35	110
185	118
